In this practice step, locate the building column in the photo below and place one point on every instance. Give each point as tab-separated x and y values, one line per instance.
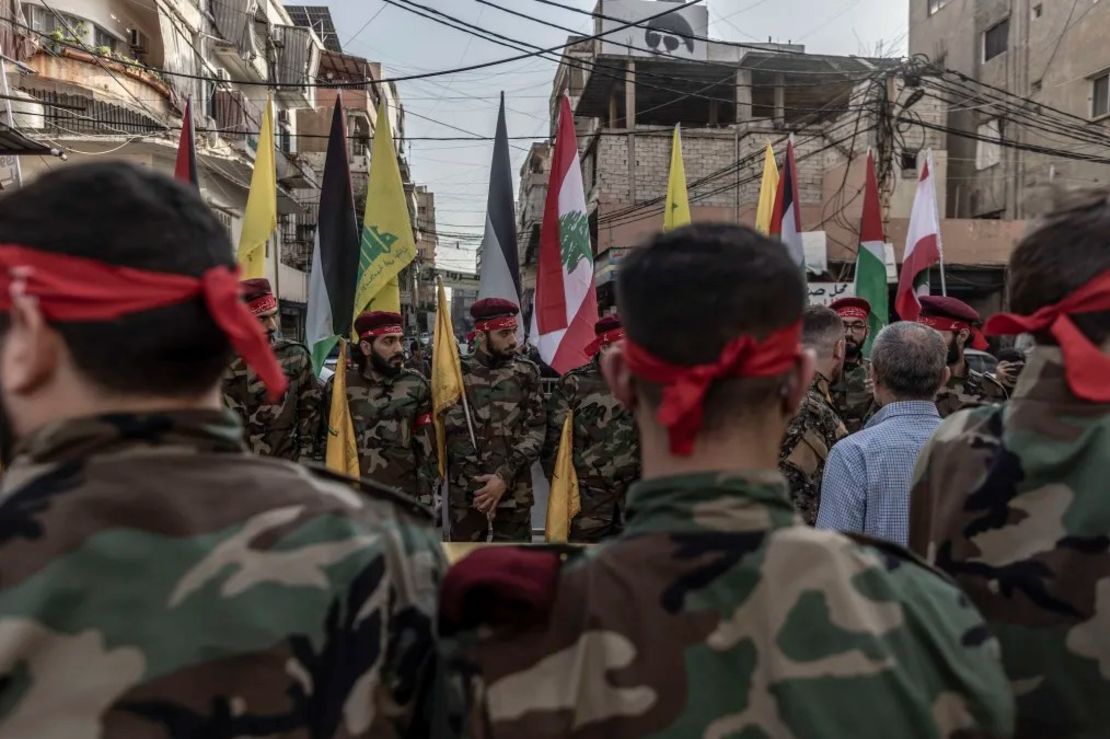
714	112
743	95
780	99
630	95
614	109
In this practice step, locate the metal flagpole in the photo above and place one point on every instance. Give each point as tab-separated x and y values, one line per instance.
936	206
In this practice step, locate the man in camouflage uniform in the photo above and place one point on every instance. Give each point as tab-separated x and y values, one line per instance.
852	395
1011	500
816	427
957	323
156	580
606	449
491	481
288	428
391	410
717	612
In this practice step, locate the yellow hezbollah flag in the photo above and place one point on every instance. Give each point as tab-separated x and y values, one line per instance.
260	217
342	452
564	502
767	190
677	212
447	382
388	245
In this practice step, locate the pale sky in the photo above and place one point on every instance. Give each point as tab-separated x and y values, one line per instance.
458	171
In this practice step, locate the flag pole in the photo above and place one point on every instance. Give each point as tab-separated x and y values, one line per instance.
940	244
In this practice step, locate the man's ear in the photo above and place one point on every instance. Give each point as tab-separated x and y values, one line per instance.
798	381
621	382
366	347
32	349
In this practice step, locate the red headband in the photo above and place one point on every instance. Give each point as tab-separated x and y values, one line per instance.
684	388
1087	368
74	289
853	312
496	324
955	325
262	304
380	331
602	340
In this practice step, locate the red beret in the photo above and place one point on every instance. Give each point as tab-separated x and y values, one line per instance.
607	323
852	308
487	308
377	323
255	288
938	305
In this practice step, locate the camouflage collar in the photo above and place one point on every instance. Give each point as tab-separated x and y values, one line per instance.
1044	379
488	360
200	431
711	501
821	386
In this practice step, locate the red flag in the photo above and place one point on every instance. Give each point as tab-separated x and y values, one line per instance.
186	168
786	216
922	248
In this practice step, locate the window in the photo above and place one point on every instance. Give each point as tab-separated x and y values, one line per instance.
988	153
1100	96
909	159
935	5
102	38
1038	10
996	40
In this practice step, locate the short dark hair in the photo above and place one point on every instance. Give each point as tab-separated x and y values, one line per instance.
1066	249
686	293
130	216
909	359
822	328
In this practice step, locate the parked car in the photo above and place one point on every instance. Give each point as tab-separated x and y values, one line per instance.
983	362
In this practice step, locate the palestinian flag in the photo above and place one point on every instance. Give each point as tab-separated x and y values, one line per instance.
331	283
499	274
786	219
186	168
870	258
566	304
923	247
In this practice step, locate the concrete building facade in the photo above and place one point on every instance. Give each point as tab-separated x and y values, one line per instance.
731	100
109	79
1052	54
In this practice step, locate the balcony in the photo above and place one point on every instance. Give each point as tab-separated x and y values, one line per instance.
296	60
237	118
107	96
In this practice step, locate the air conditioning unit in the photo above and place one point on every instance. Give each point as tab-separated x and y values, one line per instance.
137	40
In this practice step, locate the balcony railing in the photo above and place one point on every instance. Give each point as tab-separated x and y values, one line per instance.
236	116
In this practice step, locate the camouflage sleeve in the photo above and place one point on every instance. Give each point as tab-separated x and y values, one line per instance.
526	451
424	444
557	408
309	413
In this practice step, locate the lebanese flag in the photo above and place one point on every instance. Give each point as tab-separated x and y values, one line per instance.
186	168
565	308
923	248
786	218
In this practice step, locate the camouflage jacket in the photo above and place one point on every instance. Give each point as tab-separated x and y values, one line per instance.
287	429
392	419
510	422
971	390
809	437
1012	501
851	399
157	582
606	444
718	614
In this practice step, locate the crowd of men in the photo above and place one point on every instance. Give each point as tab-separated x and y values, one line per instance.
169	570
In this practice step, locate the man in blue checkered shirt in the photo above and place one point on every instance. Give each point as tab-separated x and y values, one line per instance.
867	476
